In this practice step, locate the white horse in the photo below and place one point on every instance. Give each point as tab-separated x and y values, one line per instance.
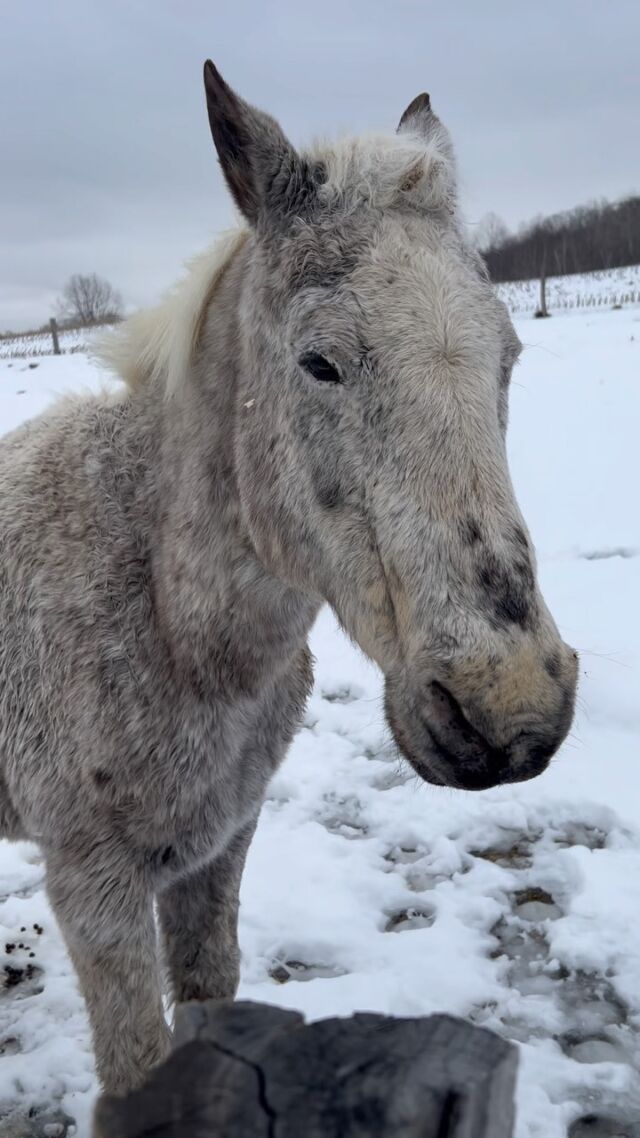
318	414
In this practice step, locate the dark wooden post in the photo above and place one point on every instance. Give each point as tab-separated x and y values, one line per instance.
53	324
543	294
542	308
251	1071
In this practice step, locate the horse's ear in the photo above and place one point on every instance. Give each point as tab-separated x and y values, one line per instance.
418	115
263	171
419	120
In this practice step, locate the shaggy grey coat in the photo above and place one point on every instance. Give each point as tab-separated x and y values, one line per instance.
317	415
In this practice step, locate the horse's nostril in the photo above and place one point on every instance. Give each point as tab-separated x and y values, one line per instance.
452	729
530	748
474	758
444	710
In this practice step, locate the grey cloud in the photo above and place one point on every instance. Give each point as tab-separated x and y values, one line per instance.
107	163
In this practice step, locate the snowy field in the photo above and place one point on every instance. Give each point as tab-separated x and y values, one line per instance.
30	345
365	889
601	289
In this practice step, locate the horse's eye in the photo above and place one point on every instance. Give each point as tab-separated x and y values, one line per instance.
319	368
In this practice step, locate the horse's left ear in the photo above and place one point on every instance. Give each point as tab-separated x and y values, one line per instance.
440	171
419	118
263	171
418	115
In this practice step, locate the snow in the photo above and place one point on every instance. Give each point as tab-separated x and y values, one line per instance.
366	889
598	289
27	345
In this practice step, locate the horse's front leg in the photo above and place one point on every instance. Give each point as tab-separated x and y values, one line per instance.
199	920
104	908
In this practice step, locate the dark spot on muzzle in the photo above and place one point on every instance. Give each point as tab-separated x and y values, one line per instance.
507	590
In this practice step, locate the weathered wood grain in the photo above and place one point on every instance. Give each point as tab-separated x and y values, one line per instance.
252	1071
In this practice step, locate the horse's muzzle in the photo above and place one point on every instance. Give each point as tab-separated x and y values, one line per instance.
447	750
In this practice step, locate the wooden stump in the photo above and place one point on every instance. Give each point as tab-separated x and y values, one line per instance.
249	1070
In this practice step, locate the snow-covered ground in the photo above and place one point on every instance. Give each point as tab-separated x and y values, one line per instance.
30	345
601	289
366	889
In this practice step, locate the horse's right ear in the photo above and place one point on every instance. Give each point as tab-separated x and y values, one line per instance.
263	171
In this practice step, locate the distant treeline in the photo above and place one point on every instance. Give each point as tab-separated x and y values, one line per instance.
600	236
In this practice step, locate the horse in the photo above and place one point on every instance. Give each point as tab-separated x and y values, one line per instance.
316	414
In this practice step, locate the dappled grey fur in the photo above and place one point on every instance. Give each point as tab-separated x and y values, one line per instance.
165	552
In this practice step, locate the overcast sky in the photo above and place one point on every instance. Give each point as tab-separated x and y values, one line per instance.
105	154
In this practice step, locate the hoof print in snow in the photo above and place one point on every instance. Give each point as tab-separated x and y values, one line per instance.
405	855
37	1123
384	754
11	1045
592	1006
535	905
595	1018
28	891
522	946
420	880
597	1126
287	970
516	856
579	834
407	919
409	862
596	1050
350	830
343	816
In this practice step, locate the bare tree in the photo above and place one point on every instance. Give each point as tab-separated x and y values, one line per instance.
490	232
89	299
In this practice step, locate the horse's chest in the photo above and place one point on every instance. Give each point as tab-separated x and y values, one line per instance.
209	782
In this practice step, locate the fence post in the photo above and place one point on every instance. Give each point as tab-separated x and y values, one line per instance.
53	324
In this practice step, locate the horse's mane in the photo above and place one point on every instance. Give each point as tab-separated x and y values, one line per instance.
158	343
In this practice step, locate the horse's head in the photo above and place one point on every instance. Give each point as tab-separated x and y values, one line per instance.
375	362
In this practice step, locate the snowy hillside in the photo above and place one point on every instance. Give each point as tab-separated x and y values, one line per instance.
29	345
365	889
602	289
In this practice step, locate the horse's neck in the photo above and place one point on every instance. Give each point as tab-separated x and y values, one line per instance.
223	614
